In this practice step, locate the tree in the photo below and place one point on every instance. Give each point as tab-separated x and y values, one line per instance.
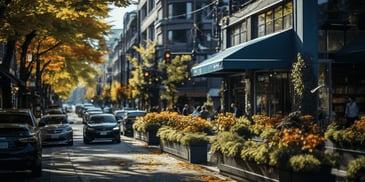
140	80
68	22
175	73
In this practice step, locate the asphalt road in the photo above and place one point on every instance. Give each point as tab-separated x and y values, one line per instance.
131	160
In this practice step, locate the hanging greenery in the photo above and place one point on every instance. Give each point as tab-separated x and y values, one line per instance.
297	76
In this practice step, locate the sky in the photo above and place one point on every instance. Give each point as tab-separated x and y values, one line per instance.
116	16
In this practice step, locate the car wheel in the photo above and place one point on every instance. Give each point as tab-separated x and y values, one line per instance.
117	140
37	169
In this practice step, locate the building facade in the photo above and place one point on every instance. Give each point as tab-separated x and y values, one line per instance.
261	40
181	27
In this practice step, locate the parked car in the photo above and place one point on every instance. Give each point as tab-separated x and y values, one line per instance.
85	108
89	113
101	127
128	121
119	113
20	141
54	111
56	130
107	109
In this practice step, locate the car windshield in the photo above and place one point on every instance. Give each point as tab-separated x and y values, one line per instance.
119	115
19	119
54	112
135	114
102	119
54	120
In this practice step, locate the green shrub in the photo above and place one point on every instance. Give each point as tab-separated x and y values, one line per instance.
257	152
185	138
356	170
305	163
228	143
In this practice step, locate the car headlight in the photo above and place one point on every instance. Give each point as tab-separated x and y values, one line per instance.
30	139
68	129
116	128
90	129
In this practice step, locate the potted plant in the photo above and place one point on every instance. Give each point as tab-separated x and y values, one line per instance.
356	170
291	146
240	151
298	150
349	142
186	137
145	127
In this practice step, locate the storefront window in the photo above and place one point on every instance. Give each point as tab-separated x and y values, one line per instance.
324	97
272	96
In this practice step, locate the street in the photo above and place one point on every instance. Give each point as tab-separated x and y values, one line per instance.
130	160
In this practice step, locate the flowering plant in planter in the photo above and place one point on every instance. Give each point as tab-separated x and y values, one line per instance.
153	121
228	122
185	129
294	142
299	145
353	136
356	170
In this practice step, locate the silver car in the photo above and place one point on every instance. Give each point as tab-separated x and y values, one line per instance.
56	130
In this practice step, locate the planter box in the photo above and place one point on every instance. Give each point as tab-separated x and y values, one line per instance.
149	137
197	153
241	170
348	153
324	175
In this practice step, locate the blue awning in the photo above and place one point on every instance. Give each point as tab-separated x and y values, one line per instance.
353	52
267	52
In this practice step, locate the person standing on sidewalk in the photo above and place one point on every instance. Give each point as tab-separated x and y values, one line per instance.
351	112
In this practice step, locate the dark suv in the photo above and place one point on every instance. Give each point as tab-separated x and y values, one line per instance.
20	141
128	120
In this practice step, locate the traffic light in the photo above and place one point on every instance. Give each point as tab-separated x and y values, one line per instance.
167	57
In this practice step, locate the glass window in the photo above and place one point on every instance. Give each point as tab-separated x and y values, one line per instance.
269	22
177	36
170	35
261	25
275	20
160	39
244	31
239	33
288	15
177	10
189	10
272	96
278	18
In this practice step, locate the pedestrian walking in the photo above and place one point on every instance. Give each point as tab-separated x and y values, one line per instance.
185	110
351	112
236	111
204	113
196	111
